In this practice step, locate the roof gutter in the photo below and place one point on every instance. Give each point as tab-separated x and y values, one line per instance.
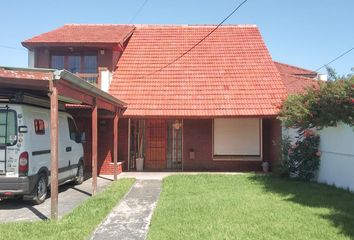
76	81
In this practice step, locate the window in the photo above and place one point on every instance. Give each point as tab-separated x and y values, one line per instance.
8	127
237	137
74	64
90	64
57	62
82	64
72	129
39	127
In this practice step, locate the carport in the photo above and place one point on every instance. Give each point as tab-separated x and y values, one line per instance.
65	87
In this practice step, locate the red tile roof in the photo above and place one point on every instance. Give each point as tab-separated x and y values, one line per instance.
230	74
82	34
297	84
296	79
293	70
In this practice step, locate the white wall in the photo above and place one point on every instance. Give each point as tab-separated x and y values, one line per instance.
337	159
31	58
106	78
337	155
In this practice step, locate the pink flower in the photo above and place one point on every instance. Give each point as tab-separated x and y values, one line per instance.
294	146
309	133
318	154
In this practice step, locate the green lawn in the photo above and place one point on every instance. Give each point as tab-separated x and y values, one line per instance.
78	224
251	207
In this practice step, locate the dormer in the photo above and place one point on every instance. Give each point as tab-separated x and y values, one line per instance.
89	51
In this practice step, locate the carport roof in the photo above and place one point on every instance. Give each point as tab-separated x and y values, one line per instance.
71	88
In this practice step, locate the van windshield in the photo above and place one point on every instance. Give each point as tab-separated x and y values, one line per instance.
8	131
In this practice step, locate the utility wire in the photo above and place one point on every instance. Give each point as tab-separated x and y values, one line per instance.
138	12
335	59
12	48
195	45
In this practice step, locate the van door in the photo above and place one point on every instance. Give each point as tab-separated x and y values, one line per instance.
8	137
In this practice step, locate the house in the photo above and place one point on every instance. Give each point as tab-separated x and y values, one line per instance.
213	109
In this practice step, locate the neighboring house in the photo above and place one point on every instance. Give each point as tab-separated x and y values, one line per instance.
296	79
213	109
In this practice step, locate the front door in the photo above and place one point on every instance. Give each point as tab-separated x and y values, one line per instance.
156	142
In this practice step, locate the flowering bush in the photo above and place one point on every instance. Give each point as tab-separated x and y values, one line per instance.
325	106
302	158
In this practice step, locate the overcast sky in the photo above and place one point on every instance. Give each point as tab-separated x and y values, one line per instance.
307	33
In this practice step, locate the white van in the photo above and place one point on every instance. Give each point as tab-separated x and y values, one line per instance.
25	151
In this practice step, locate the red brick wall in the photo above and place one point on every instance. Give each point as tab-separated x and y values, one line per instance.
123	142
198	136
105	143
42	58
271	139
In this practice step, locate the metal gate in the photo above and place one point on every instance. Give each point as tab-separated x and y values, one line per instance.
158	141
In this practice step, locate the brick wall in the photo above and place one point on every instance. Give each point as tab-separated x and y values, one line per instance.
105	143
198	136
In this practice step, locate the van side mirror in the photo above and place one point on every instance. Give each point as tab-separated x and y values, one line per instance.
80	137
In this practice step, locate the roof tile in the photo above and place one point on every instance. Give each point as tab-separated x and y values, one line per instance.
229	74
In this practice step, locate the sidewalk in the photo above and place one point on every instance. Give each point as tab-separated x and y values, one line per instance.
131	217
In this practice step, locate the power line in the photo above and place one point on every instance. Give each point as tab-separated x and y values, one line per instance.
199	42
12	48
335	59
138	12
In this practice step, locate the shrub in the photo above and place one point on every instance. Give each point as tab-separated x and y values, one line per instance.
302	158
325	106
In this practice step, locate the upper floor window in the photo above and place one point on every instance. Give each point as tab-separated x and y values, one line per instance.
58	62
74	64
84	65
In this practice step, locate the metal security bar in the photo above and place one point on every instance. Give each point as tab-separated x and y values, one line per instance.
174	145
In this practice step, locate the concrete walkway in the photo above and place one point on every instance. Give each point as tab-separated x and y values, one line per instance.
130	219
162	175
70	196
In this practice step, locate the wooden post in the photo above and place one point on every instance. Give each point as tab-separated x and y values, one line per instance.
115	144
94	148
53	151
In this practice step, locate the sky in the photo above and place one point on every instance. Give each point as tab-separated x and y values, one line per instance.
305	33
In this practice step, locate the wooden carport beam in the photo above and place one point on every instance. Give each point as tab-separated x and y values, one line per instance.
115	143
94	148
53	92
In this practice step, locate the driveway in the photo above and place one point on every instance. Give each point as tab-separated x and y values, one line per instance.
70	196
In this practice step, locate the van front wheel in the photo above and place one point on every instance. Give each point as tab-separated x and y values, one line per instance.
80	174
41	189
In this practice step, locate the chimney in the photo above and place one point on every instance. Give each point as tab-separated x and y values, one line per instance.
105	78
322	77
